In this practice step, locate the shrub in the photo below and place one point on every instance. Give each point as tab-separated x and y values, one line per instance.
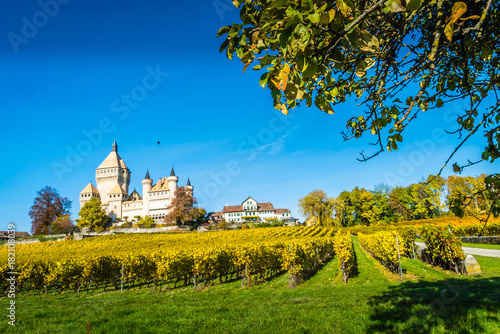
146	222
443	248
344	250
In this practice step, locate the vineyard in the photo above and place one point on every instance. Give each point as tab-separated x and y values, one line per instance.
239	281
171	260
460	227
200	259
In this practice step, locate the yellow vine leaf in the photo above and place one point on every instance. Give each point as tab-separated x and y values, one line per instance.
331	13
282	78
459	8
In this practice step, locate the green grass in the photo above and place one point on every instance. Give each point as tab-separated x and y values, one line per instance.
488	246
429	300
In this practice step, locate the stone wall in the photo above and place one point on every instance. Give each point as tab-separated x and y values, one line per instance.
85	234
481	240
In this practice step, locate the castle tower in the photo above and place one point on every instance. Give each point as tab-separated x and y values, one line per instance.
117	196
146	188
172	183
87	193
189	188
111	172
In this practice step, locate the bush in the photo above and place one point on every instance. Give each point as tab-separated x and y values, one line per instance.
344	250
383	247
146	222
443	248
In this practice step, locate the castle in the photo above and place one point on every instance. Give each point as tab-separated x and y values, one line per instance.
112	181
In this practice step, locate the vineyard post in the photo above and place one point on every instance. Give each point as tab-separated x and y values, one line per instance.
245	277
290	278
399	258
121	281
27	281
413	248
55	287
90	283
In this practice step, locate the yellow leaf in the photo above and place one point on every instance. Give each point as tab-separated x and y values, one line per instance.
448	31
282	78
344	8
331	13
459	8
472	17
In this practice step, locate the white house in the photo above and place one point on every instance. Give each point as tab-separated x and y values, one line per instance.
252	211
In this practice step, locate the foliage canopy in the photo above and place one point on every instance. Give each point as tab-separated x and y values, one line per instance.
47	207
396	58
92	215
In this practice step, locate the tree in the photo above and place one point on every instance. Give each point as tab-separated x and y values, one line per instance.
396	58
46	208
182	209
92	215
62	224
317	204
361	207
466	195
146	221
199	216
478	197
419	200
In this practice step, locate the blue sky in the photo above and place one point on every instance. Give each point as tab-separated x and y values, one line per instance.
149	71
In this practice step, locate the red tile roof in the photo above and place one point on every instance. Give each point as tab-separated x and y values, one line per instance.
232	208
265	206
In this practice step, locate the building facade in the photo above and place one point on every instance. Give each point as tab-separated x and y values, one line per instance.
112	188
252	211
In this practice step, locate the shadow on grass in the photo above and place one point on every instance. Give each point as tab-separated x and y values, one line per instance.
450	305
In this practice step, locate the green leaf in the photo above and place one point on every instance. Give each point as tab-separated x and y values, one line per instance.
224	45
314	17
439	103
413	5
223	30
311	69
263	79
394	6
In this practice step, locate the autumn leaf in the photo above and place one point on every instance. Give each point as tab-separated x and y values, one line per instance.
282	78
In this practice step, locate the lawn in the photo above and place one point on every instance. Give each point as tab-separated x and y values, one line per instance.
428	300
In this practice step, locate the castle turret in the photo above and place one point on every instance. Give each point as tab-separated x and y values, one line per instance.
147	183
172	182
87	193
189	187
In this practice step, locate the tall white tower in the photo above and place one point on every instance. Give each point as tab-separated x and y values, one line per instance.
111	172
172	183
146	187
